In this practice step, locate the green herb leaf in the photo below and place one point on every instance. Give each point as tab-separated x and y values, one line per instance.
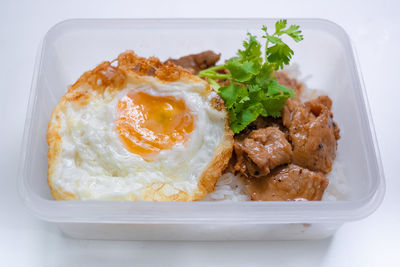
253	89
280	24
275	89
273	39
265	76
232	93
246	116
280	54
274	105
242	72
252	51
294	32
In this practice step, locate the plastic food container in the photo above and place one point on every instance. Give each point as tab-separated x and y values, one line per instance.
325	57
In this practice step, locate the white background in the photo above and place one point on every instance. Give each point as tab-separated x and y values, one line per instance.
374	26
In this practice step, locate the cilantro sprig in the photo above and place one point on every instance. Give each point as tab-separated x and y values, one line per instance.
252	88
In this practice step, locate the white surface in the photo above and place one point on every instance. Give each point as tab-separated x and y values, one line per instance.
26	241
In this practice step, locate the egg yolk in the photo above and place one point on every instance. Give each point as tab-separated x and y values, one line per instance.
148	124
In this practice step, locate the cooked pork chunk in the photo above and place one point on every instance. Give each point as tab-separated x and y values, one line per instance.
288	183
261	151
313	133
197	62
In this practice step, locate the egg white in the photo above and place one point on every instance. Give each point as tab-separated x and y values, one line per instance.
95	164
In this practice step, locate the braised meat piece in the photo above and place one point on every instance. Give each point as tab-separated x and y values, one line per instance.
288	183
197	62
261	151
312	132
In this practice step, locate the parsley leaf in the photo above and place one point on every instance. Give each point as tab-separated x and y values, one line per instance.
279	25
280	54
232	93
246	116
242	72
265	76
294	32
276	89
252	51
274	105
253	89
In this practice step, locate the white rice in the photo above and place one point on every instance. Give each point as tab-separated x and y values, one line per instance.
338	188
229	187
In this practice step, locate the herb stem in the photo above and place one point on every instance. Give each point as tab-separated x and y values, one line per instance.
216	76
219	67
211	73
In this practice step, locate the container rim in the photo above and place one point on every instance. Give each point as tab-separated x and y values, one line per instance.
199	212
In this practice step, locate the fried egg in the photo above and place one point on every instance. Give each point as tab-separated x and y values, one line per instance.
139	131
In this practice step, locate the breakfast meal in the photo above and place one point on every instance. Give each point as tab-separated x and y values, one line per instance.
187	129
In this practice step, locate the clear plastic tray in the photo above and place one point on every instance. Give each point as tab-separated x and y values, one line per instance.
326	57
